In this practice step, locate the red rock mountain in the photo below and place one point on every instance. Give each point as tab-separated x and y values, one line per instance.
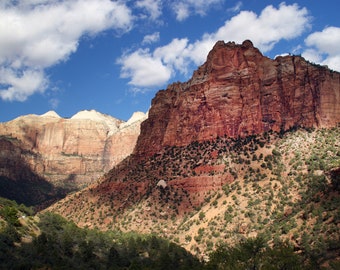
239	92
194	131
74	152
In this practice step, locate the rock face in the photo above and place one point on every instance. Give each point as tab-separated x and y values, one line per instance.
17	179
239	92
74	152
197	135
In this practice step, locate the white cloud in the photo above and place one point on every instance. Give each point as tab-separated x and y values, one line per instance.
152	38
19	86
174	54
181	10
36	34
265	30
236	7
324	47
312	55
184	8
152	7
326	41
144	69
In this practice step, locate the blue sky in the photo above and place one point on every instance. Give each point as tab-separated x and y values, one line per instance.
113	56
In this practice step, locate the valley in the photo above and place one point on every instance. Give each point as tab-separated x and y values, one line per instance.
244	155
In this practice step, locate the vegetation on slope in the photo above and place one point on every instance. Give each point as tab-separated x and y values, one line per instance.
284	186
51	242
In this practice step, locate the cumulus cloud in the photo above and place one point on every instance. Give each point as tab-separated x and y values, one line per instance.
174	54
20	85
152	38
37	34
184	8
153	8
144	69
265	30
268	28
324	47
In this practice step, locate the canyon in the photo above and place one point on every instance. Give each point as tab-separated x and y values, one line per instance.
192	141
68	153
248	146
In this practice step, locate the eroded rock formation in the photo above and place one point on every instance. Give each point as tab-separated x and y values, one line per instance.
17	179
197	132
74	152
239	92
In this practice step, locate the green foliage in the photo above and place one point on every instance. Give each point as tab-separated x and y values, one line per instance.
63	245
253	253
10	214
10	211
201	215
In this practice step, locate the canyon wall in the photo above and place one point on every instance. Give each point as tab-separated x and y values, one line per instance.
196	139
17	179
240	92
74	152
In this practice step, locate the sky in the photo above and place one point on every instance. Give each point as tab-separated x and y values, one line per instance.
113	56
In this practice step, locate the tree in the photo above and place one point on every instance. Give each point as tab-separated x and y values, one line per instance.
254	254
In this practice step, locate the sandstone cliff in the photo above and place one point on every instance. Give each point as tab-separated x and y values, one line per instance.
239	92
17	179
74	152
196	131
216	159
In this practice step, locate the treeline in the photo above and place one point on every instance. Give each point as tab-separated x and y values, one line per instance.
62	245
56	243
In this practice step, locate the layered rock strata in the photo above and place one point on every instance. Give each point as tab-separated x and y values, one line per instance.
17	179
239	92
195	131
74	152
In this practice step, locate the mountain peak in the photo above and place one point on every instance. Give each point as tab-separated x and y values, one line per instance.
239	92
50	114
90	115
136	116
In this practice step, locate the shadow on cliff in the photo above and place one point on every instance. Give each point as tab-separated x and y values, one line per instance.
19	182
70	183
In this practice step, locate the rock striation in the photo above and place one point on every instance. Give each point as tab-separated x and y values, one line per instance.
240	92
74	152
198	134
17	179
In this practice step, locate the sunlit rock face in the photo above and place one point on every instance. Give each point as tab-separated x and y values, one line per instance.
239	92
191	143
76	151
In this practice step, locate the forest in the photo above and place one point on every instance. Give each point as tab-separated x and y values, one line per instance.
48	241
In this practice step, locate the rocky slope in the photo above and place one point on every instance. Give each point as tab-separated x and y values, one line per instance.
246	146
71	153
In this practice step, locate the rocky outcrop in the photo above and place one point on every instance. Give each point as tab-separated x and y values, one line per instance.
240	92
75	151
17	179
202	135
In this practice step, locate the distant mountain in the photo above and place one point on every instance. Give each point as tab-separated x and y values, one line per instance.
245	147
17	179
69	153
